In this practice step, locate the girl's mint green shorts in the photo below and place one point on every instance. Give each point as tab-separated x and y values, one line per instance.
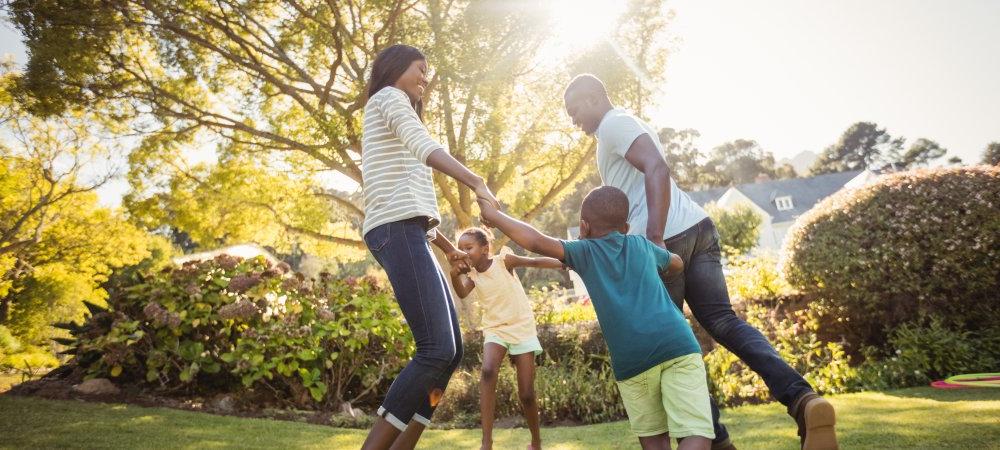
530	345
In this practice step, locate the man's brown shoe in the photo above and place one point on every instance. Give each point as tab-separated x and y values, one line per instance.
817	423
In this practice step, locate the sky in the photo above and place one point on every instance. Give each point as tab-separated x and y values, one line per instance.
794	74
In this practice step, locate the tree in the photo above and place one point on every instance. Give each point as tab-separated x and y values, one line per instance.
739	228
866	146
683	156
740	161
56	243
282	82
921	152
237	201
861	146
991	155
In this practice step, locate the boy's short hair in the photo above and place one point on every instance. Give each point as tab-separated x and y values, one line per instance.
605	208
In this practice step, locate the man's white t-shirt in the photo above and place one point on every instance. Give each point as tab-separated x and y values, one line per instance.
616	133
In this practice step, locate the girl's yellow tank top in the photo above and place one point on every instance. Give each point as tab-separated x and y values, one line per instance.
506	308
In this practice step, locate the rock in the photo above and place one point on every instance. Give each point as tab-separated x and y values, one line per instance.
96	386
348	410
223	403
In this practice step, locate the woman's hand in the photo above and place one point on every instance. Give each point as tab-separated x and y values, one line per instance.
483	193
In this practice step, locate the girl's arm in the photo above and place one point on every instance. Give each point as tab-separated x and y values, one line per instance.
455	256
462	283
513	261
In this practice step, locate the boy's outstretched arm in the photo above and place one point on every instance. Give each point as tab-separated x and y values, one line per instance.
525	235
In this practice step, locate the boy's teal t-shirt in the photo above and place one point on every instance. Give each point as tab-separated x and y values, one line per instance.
641	325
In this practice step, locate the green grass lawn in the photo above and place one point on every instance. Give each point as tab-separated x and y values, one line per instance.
910	418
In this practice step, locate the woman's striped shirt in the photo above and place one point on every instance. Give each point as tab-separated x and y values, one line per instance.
395	145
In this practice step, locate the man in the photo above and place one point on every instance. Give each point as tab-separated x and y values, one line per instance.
630	158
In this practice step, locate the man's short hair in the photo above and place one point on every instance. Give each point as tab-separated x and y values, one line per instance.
587	83
605	208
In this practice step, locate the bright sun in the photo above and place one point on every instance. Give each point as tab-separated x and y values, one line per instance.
580	24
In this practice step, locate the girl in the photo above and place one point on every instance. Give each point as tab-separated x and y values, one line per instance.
508	323
401	216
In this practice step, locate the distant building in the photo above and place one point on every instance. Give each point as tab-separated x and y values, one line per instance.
781	202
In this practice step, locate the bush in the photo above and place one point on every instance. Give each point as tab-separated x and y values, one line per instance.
912	244
551	307
8	343
739	228
926	350
793	333
755	278
229	324
574	381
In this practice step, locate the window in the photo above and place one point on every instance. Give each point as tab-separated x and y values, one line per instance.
783	203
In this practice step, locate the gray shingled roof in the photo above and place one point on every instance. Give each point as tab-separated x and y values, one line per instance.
805	193
707	196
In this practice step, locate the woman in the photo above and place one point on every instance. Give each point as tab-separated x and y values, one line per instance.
397	155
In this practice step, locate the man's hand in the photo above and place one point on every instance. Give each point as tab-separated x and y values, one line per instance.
658	242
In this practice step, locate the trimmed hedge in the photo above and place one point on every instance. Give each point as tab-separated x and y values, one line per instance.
912	245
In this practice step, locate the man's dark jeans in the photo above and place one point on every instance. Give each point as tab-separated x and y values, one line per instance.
703	286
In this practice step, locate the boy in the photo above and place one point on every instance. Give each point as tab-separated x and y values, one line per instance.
656	359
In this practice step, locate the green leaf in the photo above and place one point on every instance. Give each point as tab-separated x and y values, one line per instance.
317	393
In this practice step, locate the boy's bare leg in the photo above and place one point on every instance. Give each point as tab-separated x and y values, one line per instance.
658	442
492	358
694	443
407	440
525	365
382	436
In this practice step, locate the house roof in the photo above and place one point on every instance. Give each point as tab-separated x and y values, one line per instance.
805	193
707	196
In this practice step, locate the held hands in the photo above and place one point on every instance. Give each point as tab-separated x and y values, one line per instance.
459	261
460	268
483	194
487	208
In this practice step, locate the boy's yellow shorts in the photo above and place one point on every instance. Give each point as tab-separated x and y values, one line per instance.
671	397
